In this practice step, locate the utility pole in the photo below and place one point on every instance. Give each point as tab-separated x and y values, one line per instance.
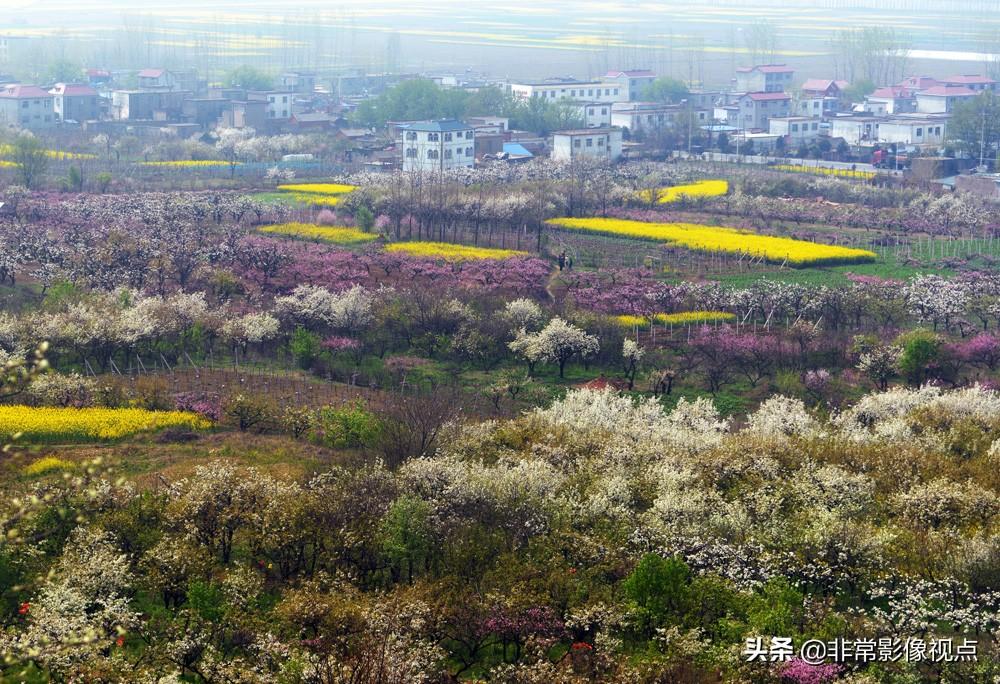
982	142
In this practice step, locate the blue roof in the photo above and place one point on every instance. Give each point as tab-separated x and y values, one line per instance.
441	126
516	150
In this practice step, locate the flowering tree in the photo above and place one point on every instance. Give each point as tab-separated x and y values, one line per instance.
557	342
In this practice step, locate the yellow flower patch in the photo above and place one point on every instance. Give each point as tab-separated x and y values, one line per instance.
47	464
629	321
319	188
189	163
795	253
689	317
340	235
451	252
705	188
88	424
824	171
315	200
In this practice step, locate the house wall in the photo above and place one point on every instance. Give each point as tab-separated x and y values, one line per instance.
434	151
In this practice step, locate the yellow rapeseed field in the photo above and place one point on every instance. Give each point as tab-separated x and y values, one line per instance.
451	252
47	464
340	235
796	253
824	171
188	163
689	317
630	321
319	188
7	150
45	424
704	188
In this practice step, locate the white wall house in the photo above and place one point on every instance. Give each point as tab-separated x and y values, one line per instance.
438	145
594	143
912	131
795	129
942	99
636	80
588	91
26	106
279	105
856	130
891	100
644	117
595	114
764	78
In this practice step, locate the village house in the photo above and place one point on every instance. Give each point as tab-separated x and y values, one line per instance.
637	81
644	117
913	129
818	97
438	145
855	129
571	89
975	82
593	143
898	99
595	114
942	99
756	109
75	102
796	130
764	78
501	123
26	106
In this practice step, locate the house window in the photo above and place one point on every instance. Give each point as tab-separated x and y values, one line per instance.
920	132
468	151
411	135
590	92
590	142
937	130
411	153
432	154
576	142
616	91
447	137
600	142
795	128
604	110
432	137
468	135
447	154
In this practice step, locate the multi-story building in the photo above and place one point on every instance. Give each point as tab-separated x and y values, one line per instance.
896	99
75	102
913	129
764	78
570	89
796	130
438	145
595	114
26	106
755	109
593	143
11	48
644	117
636	80
942	99
279	104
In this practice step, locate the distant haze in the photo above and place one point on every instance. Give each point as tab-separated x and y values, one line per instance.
695	41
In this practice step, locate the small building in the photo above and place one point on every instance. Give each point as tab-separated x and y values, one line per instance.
204	111
942	99
855	130
756	109
75	102
488	144
593	143
898	99
501	123
26	106
644	117
438	145
312	121
975	82
913	130
595	114
636	80
764	78
298	81
245	114
278	103
796	130
820	87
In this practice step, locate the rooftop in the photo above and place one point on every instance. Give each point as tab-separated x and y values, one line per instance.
151	73
763	97
441	126
968	79
18	91
948	91
585	131
72	89
766	69
635	73
822	84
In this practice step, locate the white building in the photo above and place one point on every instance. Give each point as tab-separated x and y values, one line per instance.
75	102
594	143
595	114
636	80
856	130
891	100
279	105
764	78
589	91
913	130
26	106
942	99
795	129
438	145
646	117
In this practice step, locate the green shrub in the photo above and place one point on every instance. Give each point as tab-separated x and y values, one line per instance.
346	427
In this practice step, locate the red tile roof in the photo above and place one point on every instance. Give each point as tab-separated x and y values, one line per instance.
18	91
150	73
819	85
892	92
948	91
919	82
968	78
763	97
73	89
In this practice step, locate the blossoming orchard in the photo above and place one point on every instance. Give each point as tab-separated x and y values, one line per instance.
519	423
